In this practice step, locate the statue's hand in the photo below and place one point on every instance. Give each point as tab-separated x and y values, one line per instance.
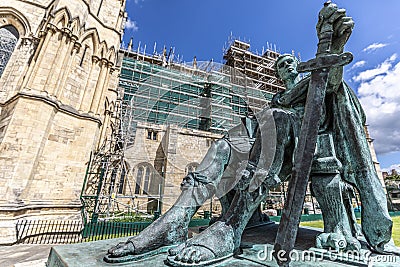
343	28
332	19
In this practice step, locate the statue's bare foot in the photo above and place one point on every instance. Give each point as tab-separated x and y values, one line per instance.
143	246
337	242
388	248
215	244
140	247
169	229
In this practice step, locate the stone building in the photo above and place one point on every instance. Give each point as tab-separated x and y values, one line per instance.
58	75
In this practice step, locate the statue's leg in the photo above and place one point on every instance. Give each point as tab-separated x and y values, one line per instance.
339	234
171	228
376	222
226	200
223	238
331	193
256	219
273	148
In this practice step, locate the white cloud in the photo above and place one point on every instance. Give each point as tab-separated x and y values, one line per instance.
358	64
131	25
372	73
379	93
374	47
392	167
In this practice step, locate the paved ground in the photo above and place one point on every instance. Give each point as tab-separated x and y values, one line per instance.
24	255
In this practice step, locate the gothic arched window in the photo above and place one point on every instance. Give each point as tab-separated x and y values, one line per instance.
8	40
139	178
146	181
145	178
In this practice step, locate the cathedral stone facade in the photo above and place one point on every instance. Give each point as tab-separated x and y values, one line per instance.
58	75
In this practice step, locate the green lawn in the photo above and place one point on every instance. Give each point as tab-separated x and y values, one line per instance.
396	227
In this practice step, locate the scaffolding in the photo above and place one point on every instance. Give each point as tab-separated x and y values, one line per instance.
198	95
107	193
155	89
258	68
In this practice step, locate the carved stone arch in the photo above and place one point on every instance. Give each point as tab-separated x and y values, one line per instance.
11	16
62	17
76	26
108	106
103	50
50	11
111	105
111	55
92	35
82	29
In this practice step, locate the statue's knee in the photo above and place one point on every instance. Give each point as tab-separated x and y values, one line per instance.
222	147
283	123
280	115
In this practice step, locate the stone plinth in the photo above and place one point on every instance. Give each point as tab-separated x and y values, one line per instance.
257	251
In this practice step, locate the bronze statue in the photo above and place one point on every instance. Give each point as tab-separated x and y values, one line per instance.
258	155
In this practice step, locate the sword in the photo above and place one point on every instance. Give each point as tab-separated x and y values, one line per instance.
319	68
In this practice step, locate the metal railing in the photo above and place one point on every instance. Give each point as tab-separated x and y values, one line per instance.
69	232
48	232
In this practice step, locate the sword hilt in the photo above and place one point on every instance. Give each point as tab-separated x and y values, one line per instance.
325	41
326	29
325	61
327	16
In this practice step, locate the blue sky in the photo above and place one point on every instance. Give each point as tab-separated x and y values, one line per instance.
201	29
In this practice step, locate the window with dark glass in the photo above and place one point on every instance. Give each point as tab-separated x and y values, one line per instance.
8	40
139	178
146	181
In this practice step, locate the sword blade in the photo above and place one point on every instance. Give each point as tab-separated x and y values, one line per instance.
288	226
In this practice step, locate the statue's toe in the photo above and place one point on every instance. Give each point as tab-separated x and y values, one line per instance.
215	244
179	255
353	244
175	250
334	241
122	249
187	256
116	248
197	257
194	254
